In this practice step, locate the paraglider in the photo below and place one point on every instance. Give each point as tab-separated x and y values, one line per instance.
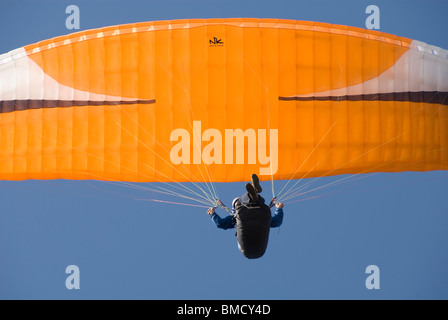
252	219
213	100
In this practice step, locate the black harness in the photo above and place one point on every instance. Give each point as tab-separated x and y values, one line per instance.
252	229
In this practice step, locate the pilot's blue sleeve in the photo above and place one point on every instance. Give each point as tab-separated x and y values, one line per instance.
277	219
223	223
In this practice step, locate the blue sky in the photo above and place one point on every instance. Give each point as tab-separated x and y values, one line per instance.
127	248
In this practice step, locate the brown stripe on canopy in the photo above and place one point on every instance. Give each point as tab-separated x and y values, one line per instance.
7	106
435	97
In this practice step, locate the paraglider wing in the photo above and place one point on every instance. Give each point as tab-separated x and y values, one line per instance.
159	101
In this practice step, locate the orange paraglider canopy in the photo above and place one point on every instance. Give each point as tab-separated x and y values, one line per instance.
218	99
